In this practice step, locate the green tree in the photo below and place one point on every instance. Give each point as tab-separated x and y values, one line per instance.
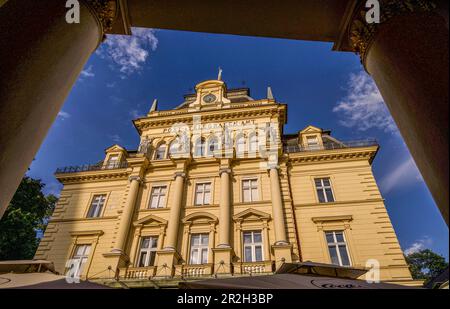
426	264
27	214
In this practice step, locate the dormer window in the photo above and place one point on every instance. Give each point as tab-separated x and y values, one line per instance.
313	142
113	161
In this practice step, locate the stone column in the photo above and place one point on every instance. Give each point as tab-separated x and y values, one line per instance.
41	56
407	56
175	212
168	257
225	208
282	250
127	214
277	207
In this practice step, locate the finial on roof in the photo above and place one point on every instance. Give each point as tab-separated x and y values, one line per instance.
269	93
219	76
154	105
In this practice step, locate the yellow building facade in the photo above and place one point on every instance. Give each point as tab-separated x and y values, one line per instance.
216	188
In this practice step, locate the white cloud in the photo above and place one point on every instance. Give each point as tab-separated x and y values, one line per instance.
111	85
115	138
363	107
63	115
418	245
88	72
135	114
403	175
129	53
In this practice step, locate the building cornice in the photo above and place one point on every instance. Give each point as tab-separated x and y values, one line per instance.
168	118
307	157
91	176
340	203
82	219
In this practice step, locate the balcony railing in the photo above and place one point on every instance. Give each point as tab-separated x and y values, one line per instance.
194	270
138	272
331	146
91	167
251	268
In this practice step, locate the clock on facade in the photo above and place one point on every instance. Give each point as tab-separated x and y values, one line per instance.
209	98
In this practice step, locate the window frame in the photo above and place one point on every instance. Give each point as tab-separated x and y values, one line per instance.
314	146
258	198
149	251
253	143
85	256
91	205
336	245
240	140
200	143
252	246
159	204
203	183
158	151
200	248
323	189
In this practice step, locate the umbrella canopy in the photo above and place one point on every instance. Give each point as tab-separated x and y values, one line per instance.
304	275
287	281
321	269
45	280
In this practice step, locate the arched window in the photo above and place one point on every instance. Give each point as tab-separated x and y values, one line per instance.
213	145
240	144
160	152
200	147
253	143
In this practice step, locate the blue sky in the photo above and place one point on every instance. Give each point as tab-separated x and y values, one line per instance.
323	88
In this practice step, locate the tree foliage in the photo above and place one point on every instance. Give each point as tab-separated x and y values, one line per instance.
426	264
27	213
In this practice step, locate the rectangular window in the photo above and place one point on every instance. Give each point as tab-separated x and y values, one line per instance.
95	210
160	152
338	248
113	161
147	251
158	197
253	246
313	142
199	249
203	193
79	258
250	190
324	192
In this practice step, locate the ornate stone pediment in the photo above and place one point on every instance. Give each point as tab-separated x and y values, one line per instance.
150	220
115	148
200	217
251	215
311	129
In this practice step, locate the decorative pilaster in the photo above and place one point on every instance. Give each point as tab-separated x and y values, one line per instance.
175	211
225	208
277	207
127	213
